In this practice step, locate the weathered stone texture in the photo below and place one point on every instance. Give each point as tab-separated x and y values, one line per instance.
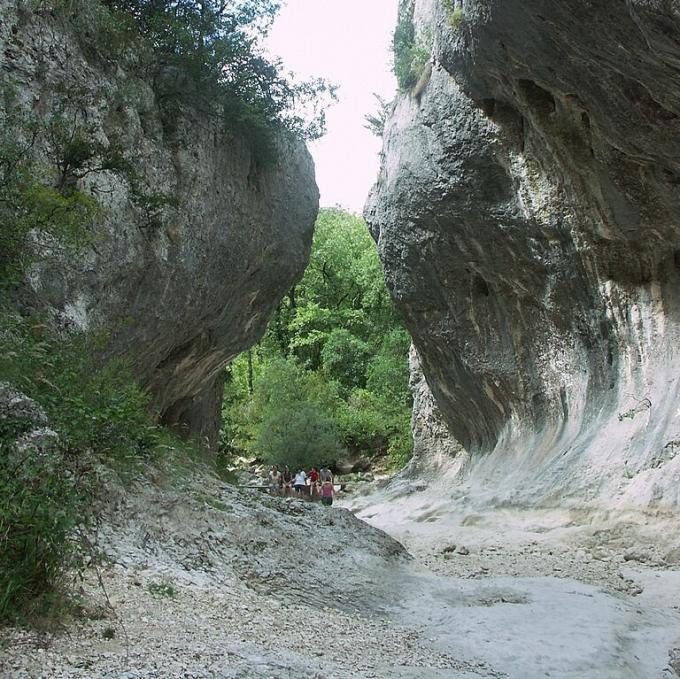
528	216
183	295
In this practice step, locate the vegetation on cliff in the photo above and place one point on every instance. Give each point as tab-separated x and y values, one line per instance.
411	52
200	57
47	483
205	54
331	372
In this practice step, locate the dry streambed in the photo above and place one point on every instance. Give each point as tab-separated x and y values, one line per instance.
538	593
216	582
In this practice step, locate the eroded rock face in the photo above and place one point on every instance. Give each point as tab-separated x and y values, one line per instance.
528	216
435	451
182	288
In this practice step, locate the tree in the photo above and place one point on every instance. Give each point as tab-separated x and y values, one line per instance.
205	52
293	411
344	358
299	437
333	364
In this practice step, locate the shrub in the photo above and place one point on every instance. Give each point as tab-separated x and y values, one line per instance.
46	492
388	372
204	54
93	407
375	122
299	435
410	54
43	496
344	357
293	415
163	588
454	15
362	421
29	199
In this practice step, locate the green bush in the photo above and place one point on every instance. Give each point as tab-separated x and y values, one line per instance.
375	122
454	15
98	408
344	358
100	414
299	435
30	198
43	499
410	54
204	54
163	589
362	421
293	415
387	373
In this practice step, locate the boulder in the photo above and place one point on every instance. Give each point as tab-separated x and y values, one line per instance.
526	213
196	241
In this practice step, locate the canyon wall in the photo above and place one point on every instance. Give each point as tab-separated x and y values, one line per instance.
195	242
527	213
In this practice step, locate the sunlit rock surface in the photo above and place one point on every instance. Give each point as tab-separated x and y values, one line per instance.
184	287
528	215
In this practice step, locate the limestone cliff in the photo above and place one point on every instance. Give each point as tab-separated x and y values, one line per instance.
528	215
194	246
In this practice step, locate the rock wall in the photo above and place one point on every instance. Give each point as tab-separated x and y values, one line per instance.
528	215
184	286
435	451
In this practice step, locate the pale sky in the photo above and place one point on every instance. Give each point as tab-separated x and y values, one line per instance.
349	43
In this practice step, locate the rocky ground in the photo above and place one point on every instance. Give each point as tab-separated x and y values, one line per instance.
213	581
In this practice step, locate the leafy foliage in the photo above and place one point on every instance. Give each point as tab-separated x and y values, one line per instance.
32	197
300	437
164	588
410	54
204	54
98	408
375	122
46	492
332	368
42	494
454	15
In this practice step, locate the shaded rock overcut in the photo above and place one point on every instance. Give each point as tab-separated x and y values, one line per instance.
184	284
528	215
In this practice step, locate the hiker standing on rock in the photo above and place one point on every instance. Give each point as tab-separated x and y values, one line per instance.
286	481
313	477
325	474
274	479
300	482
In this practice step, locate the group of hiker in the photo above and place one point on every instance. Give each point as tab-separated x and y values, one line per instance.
312	483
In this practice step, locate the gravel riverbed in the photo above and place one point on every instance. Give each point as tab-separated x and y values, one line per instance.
213	581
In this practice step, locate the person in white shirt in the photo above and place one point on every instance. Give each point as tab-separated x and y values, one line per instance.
300	483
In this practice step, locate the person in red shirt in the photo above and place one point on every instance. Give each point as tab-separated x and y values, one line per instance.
313	477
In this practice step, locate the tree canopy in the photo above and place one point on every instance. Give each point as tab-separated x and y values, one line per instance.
206	54
331	372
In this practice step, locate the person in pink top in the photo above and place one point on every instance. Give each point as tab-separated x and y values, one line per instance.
327	493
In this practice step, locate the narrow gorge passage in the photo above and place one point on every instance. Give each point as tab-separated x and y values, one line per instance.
195	321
